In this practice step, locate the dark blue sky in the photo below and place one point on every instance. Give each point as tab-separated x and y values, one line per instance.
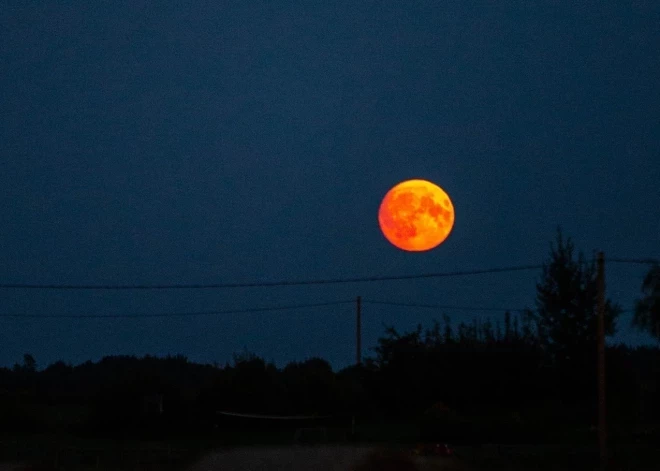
245	141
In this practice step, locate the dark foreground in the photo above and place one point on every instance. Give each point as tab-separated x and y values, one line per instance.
61	454
322	458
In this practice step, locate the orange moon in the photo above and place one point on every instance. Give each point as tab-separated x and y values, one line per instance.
416	215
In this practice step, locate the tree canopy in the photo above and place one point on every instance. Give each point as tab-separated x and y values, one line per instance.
647	309
566	301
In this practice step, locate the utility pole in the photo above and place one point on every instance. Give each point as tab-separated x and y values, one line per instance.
358	331
358	347
600	339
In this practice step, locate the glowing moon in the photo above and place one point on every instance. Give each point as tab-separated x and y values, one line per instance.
416	215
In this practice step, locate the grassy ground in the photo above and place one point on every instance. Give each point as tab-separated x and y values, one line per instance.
551	457
248	451
73	453
324	458
330	458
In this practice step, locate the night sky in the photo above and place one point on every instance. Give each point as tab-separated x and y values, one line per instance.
253	141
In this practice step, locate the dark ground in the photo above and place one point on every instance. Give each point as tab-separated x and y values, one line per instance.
63	453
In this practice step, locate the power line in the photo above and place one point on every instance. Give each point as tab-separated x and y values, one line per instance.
634	261
176	314
260	284
262	309
444	306
454	307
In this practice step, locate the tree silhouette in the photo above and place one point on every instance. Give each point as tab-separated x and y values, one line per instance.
566	303
496	388
29	364
647	309
310	386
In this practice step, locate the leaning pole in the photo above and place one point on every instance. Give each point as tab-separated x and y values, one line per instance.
600	336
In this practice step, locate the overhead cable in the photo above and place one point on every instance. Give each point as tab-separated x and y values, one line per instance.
259	284
175	314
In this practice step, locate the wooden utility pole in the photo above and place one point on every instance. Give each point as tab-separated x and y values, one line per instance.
358	331
358	347
600	339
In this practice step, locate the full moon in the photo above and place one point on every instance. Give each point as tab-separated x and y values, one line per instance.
416	215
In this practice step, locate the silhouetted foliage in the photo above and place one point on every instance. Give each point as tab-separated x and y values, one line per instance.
254	386
647	309
566	303
311	386
29	365
478	369
483	387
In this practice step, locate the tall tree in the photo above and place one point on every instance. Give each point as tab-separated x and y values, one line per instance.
647	309
29	364
508	334
449	336
566	299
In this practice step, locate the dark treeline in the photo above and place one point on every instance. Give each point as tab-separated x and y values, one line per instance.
469	383
524	376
